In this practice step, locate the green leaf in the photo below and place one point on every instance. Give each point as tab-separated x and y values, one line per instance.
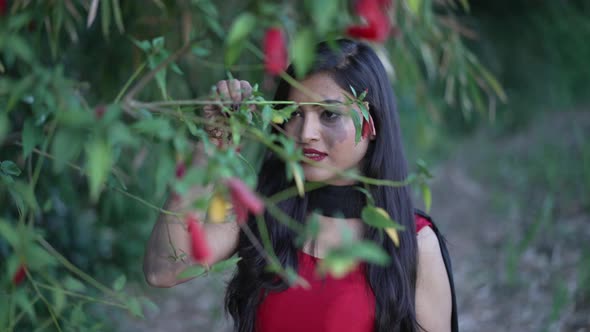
149	304
38	258
8	232
144	45
232	53
225	264
200	51
303	50
24	302
378	218
323	13
77	316
118	16
20	48
31	137
66	146
241	28
192	272
99	162
427	196
73	284
4	126
17	91
135	307
164	173
414	6
158	127
356	119
10	168
369	252
119	283
105	15
25	191
77	118
364	110
423	168
59	300
118	133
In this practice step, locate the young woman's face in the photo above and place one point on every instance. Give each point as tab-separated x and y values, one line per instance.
325	136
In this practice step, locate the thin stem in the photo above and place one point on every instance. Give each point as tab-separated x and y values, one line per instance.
129	81
20	315
74	269
146	203
47	304
88	298
191	102
82	171
151	74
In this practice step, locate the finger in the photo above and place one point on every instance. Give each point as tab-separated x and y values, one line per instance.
234	90
223	90
246	89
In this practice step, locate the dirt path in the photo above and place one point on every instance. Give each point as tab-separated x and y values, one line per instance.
477	232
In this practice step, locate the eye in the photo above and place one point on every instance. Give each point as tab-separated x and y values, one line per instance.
330	116
297	113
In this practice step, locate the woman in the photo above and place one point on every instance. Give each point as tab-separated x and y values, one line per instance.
413	293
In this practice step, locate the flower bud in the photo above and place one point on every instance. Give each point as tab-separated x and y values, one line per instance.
199	247
20	273
275	51
244	200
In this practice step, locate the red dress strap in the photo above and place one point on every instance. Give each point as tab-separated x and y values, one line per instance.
421	222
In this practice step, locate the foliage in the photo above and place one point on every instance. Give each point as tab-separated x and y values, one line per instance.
539	53
98	110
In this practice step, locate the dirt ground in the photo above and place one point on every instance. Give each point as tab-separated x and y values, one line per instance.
541	293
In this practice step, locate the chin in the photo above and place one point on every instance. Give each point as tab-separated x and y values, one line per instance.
314	174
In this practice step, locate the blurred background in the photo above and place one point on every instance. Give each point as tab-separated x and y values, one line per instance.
493	100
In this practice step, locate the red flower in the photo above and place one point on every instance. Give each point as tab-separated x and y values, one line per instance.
20	273
180	170
368	128
99	110
377	26
275	51
244	200
3	7
199	246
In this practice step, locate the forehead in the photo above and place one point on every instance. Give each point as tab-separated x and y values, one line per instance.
318	87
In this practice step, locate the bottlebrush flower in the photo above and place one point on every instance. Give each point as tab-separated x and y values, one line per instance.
368	129
3	7
180	170
19	275
244	200
377	25
275	51
199	246
99	110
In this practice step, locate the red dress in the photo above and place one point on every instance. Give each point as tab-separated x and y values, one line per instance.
329	305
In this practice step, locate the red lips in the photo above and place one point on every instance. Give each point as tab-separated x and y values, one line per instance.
314	154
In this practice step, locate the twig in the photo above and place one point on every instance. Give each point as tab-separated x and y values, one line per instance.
151	74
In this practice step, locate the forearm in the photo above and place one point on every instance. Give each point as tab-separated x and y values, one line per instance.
167	250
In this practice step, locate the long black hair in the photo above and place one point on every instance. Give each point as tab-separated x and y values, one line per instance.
354	64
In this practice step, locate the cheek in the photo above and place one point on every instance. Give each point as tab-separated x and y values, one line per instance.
341	133
291	127
337	135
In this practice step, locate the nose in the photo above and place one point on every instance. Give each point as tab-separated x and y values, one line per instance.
310	129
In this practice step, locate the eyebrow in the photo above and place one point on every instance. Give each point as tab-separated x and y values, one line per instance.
331	101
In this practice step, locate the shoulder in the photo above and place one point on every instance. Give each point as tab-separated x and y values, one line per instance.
433	291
